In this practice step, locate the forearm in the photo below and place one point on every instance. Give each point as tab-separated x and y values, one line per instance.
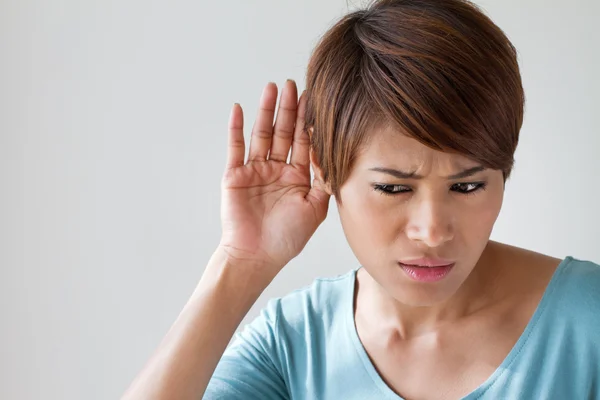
184	362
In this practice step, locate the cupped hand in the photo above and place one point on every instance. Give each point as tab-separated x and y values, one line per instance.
269	209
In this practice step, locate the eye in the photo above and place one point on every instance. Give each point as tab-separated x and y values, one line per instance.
468	188
390	189
462	188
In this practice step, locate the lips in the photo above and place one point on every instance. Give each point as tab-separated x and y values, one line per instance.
426	262
426	273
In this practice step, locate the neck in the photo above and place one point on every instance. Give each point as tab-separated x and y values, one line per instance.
386	314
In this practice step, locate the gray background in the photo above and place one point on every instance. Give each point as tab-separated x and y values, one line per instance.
113	120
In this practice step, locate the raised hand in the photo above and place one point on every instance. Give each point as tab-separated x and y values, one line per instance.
269	209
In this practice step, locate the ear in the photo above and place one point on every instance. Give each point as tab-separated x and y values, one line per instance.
317	168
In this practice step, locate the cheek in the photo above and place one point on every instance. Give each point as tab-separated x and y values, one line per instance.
369	220
368	234
480	218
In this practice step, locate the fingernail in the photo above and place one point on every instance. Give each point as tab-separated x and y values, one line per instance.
290	80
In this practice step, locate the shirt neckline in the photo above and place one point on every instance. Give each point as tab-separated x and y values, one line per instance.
489	382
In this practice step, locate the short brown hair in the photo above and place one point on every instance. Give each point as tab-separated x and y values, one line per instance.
438	70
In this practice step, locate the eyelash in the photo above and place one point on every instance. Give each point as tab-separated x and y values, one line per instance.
384	189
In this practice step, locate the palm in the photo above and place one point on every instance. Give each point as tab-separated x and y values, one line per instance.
269	209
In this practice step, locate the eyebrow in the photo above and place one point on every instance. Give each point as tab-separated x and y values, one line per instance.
412	175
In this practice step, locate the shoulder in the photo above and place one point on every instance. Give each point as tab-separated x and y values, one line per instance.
574	297
312	308
570	286
293	319
276	350
290	327
317	303
580	281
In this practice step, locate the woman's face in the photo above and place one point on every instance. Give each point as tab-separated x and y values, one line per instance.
388	218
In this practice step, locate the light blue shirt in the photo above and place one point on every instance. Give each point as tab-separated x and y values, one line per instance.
305	346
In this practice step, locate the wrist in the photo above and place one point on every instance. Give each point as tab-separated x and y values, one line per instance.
244	278
256	266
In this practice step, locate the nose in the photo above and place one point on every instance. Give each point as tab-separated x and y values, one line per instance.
430	223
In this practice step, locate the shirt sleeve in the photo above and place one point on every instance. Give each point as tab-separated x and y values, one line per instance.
250	367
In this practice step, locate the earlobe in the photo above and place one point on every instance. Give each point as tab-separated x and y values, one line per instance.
319	172
327	188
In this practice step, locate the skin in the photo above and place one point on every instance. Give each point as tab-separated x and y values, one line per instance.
435	339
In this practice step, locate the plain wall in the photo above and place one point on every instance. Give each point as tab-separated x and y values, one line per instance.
113	125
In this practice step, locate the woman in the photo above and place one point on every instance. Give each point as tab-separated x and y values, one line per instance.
410	120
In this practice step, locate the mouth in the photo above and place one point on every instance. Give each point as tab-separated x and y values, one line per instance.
427	262
427	272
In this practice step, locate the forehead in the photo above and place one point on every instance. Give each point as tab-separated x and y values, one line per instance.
391	146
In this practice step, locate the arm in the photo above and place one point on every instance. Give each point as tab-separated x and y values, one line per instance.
269	210
184	362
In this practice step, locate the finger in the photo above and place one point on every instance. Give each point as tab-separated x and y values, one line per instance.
262	132
301	142
284	123
236	146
